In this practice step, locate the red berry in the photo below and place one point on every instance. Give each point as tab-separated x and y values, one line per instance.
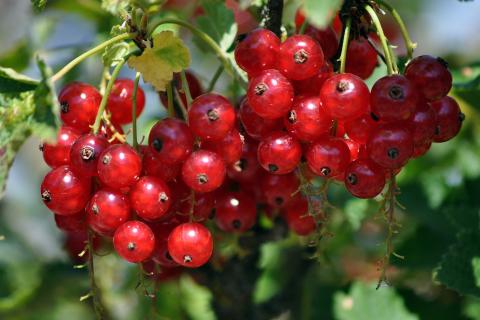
171	141
120	103
311	86
256	126
270	94
150	198
279	153
279	189
258	51
359	129
449	119
106	211
361	58
134	241
355	149
203	208
390	145
229	147
308	119
190	245
345	96
204	171
119	166
421	149
211	116
393	98
160	253
58	154
300	57
71	223
236	212
423	123
298	218
364	179
328	156
247	168
64	191
79	105
193	84
85	153
153	166
430	75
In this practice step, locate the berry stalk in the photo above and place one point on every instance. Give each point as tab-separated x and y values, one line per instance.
134	111
346	36
186	88
170	109
215	78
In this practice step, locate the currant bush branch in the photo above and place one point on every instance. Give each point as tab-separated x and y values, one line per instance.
94	290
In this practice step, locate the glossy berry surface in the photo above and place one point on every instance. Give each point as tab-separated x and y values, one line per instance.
150	198
247	168
390	145
58	154
279	153
120	101
270	94
256	126
393	98
235	212
64	191
134	241
328	157
106	211
345	96
153	166
85	153
300	57
203	209
361	58
204	171
211	116
430	75
311	86
190	245
279	190
298	218
171	141
423	124
258	51
449	119
71	223
119	166
360	128
229	147
364	179
79	104
308	119
160	253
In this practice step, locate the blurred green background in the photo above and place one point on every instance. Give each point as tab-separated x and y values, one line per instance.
440	237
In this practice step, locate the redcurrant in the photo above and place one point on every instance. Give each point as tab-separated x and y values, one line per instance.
204	171
364	179
449	119
58	154
120	101
150	197
190	245
119	166
229	147
279	153
134	241
328	156
300	57
106	211
235	212
256	126
85	153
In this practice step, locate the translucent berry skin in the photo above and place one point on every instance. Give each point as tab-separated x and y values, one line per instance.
311	86
364	179
361	58
449	119
160	253
270	94
85	153
79	105
345	96
150	197
421	149
58	154
247	168
390	145
193	84
355	149
211	116
258	51
71	223
204	171
203	207
257	127
279	153
64	191
235	212
300	57
120	103
229	147
298	218
422	124
308	119
134	241
119	166
153	166
393	98
430	75
278	190
190	245
171	141
328	157
106	211
360	128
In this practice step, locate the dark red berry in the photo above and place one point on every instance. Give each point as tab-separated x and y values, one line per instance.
449	119
247	168
204	171
64	191
85	153
421	149
203	209
311	86
150	197
193	84
120	103
119	166
328	156
359	129
160	253
299	219
71	223
355	149
361	58
256	126
229	147
279	153
235	212
279	189
270	94
423	123
106	211
134	241
58	154
300	57
364	179
190	245
153	166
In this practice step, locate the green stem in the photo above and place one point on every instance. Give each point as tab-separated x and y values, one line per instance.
346	36
186	88
303	27
134	111
383	39
103	103
183	108
95	294
89	53
214	80
170	109
409	44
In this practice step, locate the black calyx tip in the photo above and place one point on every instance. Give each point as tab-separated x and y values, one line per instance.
64	107
396	93
325	171
212	115
461	117
352	179
46	196
272	167
131	246
157	144
187	258
87	153
202	178
393	153
279	201
236	224
292	116
260	89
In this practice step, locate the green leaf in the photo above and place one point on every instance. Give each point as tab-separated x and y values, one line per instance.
115	53
320	13
466	83
219	23
14	82
196	299
39	4
356	210
363	302
115	7
459	268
